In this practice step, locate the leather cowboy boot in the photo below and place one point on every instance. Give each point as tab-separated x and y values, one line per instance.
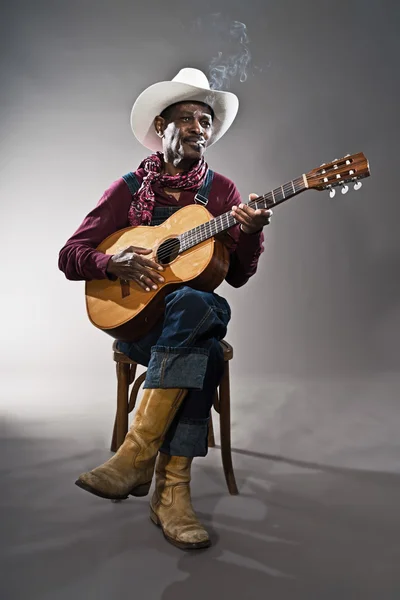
130	470
171	506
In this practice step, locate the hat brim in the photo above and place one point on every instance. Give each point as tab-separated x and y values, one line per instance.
159	96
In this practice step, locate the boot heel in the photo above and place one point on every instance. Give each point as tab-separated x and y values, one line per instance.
154	518
141	490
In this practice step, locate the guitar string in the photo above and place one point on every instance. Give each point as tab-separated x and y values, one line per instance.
169	245
196	236
197	232
192	237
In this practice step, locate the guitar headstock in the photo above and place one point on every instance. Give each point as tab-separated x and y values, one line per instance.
351	168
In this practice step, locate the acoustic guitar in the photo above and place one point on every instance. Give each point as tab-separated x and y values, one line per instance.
187	246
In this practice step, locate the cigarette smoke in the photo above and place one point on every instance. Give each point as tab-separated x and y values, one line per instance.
233	55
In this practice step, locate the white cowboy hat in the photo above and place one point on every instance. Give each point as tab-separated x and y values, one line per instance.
188	84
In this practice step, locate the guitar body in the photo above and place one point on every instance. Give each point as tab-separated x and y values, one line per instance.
127	312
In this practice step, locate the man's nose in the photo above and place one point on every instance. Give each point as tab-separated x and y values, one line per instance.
196	126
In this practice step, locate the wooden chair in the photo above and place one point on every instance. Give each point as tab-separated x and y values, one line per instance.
126	372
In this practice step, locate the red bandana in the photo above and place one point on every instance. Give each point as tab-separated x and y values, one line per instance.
141	208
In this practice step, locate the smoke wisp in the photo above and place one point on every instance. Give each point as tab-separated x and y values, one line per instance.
233	56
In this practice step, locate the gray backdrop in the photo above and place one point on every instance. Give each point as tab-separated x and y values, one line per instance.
322	83
315	332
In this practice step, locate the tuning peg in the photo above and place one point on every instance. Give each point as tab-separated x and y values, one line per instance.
345	189
332	193
357	185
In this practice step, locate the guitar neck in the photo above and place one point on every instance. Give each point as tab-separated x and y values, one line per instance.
226	221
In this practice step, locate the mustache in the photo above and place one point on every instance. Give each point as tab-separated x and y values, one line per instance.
196	139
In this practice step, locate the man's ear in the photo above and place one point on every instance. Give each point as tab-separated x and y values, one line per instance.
159	125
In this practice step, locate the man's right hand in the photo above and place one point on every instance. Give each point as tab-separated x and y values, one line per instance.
132	264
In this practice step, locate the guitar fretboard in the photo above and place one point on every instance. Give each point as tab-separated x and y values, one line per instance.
223	222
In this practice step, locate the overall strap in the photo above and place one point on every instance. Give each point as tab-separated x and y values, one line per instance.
132	182
201	196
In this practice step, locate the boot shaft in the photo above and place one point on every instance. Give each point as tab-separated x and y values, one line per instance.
152	420
157	410
174	469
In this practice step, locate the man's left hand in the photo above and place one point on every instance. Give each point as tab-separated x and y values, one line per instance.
251	220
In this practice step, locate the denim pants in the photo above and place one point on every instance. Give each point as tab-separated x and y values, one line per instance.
183	351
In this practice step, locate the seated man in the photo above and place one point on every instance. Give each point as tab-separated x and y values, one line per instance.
177	120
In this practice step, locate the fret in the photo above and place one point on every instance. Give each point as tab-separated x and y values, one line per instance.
283	193
278	196
287	190
299	184
269	200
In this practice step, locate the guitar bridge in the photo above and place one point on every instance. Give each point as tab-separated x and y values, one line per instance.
125	288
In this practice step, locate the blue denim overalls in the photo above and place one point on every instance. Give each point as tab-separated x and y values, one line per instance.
183	350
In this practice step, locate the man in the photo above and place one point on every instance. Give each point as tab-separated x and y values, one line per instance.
177	120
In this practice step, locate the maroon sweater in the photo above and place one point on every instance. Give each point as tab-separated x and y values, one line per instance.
80	260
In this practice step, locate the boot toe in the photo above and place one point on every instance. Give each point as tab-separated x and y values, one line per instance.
194	536
100	485
91	479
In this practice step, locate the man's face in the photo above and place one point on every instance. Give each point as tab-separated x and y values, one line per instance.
187	127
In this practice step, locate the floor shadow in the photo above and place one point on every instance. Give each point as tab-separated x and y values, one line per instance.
352	472
299	533
305	535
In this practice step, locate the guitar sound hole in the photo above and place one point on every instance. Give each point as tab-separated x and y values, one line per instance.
168	251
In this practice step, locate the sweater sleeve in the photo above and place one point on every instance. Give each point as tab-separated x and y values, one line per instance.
245	248
79	259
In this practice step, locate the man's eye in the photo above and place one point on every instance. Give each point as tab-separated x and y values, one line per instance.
185	118
206	124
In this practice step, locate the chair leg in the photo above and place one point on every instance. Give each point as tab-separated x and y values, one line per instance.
211	439
225	426
121	417
113	446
